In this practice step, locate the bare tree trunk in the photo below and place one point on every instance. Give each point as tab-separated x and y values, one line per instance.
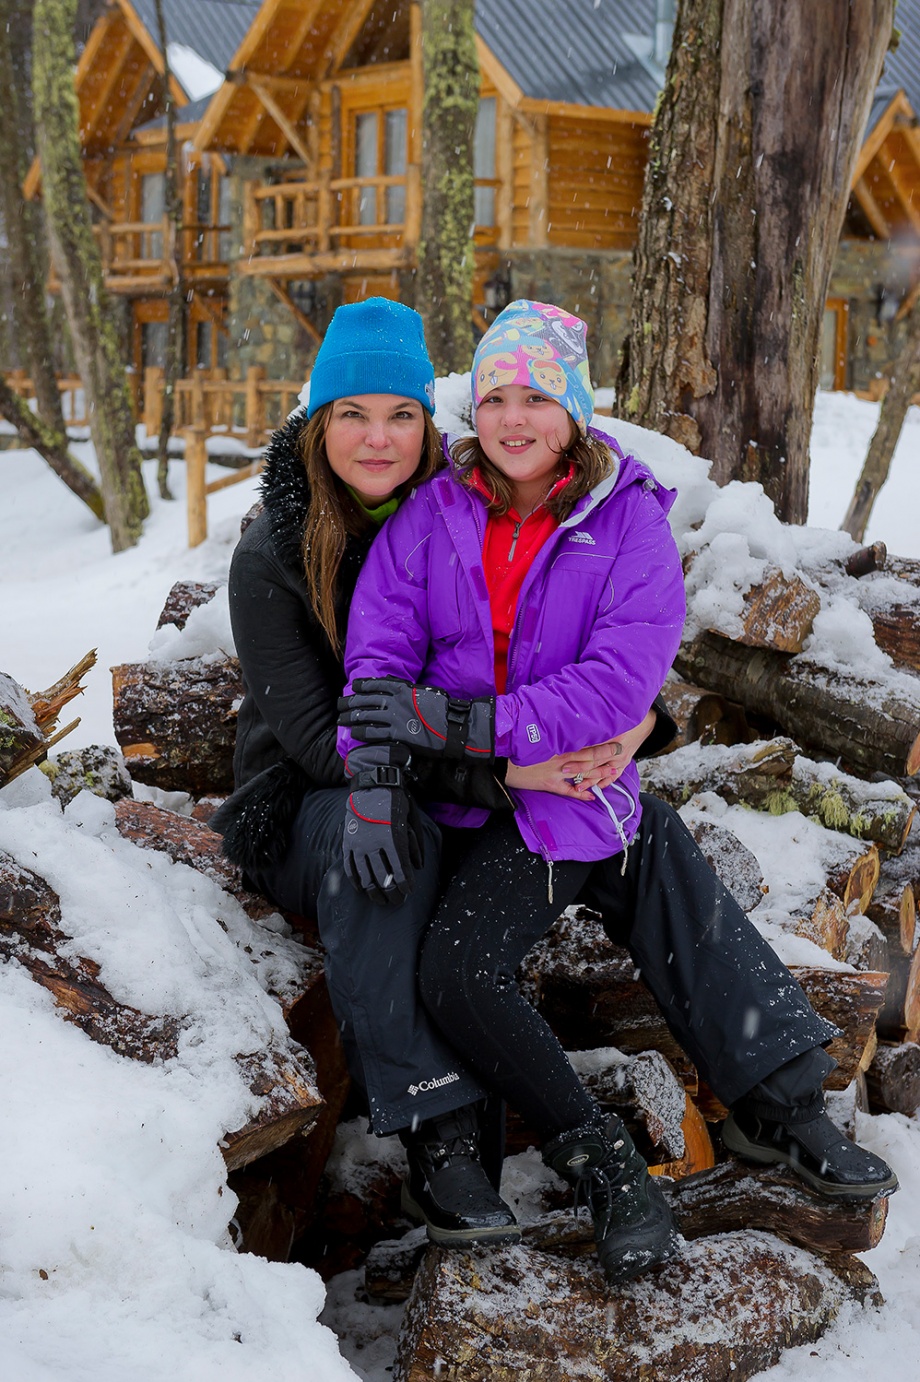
445	252
24	236
52	447
747	182
76	255
904	383
175	330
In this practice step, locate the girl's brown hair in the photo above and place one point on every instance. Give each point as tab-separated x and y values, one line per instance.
591	457
333	514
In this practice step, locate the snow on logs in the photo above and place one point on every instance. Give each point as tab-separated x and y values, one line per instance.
28	720
31	933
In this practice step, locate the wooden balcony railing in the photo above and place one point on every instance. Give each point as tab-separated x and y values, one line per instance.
133	251
315	217
73	396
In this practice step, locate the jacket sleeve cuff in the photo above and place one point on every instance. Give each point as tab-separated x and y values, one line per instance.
663	732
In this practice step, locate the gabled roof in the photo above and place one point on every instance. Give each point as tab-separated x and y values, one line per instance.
587	52
902	67
212	28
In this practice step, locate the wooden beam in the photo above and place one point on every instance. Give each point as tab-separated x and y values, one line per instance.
874	213
500	78
412	229
539	183
607	114
213	116
255	34
909	303
504	168
97	201
904	194
151	47
114	60
355	19
876	139
284	266
281	120
282	294
133	109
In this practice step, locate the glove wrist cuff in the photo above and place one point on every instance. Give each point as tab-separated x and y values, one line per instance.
380	775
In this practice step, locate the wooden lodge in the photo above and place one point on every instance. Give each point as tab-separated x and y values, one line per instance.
302	186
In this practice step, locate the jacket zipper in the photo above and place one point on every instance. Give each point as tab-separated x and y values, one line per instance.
514	537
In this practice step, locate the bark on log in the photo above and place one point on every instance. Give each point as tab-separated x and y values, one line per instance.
837	714
176	722
187	841
497	1316
30	932
894	910
28	720
772	775
704	717
899	1017
183	598
893	1078
588	991
778	613
731	861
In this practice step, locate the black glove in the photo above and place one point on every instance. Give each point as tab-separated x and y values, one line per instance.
382	840
424	718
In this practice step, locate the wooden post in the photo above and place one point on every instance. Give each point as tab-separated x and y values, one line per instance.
414	193
197	408
539	182
196	459
504	151
324	208
153	400
255	411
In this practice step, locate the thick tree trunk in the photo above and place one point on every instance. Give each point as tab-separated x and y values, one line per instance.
445	252
24	234
746	187
904	383
76	256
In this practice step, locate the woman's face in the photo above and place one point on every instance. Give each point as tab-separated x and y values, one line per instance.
374	443
524	433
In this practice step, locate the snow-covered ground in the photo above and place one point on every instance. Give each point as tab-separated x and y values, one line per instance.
115	1260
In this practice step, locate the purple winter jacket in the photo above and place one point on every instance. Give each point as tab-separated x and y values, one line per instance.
597	626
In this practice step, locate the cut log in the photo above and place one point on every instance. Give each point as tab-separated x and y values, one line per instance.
498	1316
183	598
642	1087
732	862
30	932
875	729
899	1018
772	775
866	946
778	613
824	922
28	720
702	716
893	1078
867	560
187	841
176	722
893	909
589	992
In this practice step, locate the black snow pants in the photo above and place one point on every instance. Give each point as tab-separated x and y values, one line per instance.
729	1001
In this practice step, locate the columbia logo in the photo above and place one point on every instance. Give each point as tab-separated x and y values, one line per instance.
580	536
425	1085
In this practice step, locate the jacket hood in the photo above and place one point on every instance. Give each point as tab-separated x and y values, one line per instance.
284	490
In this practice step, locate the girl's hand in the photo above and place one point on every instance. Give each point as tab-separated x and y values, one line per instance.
597	766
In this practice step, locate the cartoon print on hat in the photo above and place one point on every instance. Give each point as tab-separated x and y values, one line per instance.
542	347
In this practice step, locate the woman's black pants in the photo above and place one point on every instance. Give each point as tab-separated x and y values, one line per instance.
425	992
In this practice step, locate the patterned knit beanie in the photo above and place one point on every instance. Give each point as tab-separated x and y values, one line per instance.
375	346
542	347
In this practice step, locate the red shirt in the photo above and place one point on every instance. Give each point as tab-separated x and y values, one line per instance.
510	545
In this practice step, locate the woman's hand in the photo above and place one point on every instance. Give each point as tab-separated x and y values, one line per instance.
597	766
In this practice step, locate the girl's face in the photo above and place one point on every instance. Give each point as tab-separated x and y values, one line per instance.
524	434
374	443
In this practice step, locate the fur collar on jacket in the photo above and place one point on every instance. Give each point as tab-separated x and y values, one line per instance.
285	492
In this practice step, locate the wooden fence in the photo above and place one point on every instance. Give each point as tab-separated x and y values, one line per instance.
207	404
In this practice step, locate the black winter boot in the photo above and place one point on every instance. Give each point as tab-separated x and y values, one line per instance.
633	1225
447	1188
815	1149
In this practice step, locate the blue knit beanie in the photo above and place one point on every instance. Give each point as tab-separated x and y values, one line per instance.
375	346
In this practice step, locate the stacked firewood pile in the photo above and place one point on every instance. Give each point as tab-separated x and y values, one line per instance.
761	726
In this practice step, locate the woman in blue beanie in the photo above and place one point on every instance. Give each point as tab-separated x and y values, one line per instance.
332	476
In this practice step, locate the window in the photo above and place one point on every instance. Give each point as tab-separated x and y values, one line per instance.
484	162
833	361
153	209
212	209
381	150
153	344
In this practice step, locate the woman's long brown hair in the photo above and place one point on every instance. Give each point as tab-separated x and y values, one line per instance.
333	514
591	457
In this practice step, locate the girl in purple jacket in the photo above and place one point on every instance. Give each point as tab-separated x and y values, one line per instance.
522	604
